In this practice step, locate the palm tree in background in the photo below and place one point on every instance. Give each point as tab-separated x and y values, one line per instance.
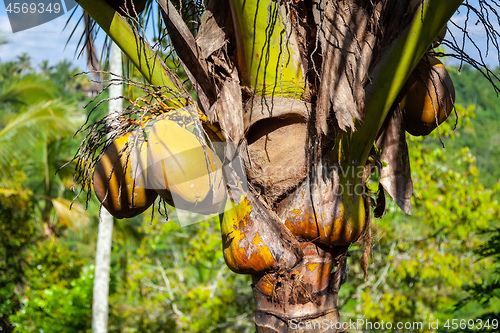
105	234
45	68
24	61
33	126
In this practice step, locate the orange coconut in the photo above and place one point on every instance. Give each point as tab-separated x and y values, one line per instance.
429	97
119	178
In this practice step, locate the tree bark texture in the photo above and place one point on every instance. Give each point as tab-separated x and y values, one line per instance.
101	274
304	295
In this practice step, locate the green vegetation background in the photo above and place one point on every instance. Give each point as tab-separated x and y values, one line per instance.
438	264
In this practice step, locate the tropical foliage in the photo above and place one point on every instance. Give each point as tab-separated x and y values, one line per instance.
422	263
36	126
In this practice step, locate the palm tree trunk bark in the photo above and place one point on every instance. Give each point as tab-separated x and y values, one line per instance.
104	238
303	299
101	274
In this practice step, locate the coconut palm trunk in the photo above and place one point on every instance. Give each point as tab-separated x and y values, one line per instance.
307	91
100	303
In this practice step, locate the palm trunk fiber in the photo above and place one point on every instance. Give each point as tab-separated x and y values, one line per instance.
303	299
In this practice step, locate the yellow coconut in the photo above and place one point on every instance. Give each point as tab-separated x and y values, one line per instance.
183	169
119	178
429	97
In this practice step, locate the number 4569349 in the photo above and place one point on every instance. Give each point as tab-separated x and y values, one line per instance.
478	324
24	8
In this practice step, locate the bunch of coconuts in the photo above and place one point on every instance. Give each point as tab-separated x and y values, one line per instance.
428	96
166	160
174	164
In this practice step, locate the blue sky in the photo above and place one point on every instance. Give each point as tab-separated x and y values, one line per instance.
44	42
47	41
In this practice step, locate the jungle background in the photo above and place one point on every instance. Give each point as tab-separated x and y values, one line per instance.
440	263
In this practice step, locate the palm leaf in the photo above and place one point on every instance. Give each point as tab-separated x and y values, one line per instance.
26	90
22	133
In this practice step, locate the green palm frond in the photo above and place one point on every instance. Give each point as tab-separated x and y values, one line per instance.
190	10
24	91
22	133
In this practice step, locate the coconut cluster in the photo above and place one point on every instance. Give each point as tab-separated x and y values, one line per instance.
163	157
